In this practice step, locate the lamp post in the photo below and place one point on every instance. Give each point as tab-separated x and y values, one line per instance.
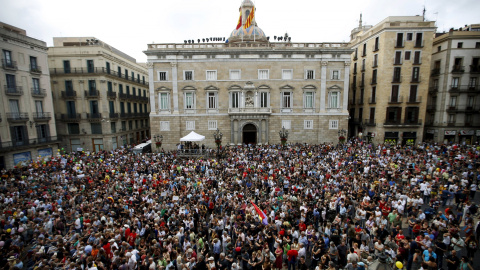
341	135
158	140
381	263
217	135
283	136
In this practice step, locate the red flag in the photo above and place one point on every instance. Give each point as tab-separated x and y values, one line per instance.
239	24
260	213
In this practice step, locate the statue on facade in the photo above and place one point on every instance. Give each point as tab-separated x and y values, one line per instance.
249	102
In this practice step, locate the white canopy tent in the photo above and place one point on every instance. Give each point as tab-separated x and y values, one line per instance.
193	137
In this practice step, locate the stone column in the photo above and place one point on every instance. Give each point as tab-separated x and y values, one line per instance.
232	132
151	87
346	83
174	87
323	86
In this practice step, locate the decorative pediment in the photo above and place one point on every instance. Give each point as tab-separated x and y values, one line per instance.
249	86
211	88
235	87
264	87
287	87
189	88
334	87
163	89
310	87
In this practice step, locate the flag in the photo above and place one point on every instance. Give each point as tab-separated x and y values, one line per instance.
261	214
250	17
239	24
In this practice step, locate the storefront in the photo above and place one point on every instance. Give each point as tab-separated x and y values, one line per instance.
391	138
430	135
466	136
449	136
409	138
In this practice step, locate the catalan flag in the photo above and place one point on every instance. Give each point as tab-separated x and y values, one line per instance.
249	21
261	214
239	24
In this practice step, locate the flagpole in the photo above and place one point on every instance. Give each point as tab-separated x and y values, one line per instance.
254	21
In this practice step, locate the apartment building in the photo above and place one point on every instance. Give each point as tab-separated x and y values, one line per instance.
453	111
100	93
249	87
27	126
390	78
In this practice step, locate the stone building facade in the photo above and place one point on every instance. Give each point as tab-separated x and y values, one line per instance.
249	88
27	126
389	79
100	93
453	111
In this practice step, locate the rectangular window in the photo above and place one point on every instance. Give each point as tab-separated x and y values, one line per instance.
417	58
162	75
212	124
364	49
133	76
372	114
36	85
109	86
130	125
119	71
333	124
286	100
376	46
33	64
374	76
113	127
263	74
111	106
419	40
460	45
19	135
71	110
190	125
73	128
39	106
287	74
472	82
96	128
164	101
264	99
307	124
126	74
374	94
189	102
335	75
411	115
188	75
107	67
393	115
90	66
308	100
333	100
409	36
413	93
11	83
212	100
310	74
398	58
394	96
8	58
416	74
375	60
399	42
211	75
455	81
408	55
287	124
397	74
235	99
453	101
235	74
66	66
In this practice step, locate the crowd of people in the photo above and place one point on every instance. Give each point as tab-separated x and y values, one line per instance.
346	206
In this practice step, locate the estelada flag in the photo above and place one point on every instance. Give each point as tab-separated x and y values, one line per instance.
249	20
261	214
239	24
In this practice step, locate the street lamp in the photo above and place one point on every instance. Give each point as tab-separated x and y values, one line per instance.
381	263
283	136
158	140
217	135
341	135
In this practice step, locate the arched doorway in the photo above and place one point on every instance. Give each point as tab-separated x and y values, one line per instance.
249	134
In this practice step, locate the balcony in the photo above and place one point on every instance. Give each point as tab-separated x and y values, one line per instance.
112	95
123	96
249	110
36	69
369	122
395	100
458	69
412	122
94	116
113	115
17	117
375	48
474	69
92	94
4	146
399	44
362	69
8	64
416	79
71	117
69	94
464	89
435	72
97	70
390	122
355	57
396	79
419	43
413	99
13	90
372	100
126	115
433	90
42	116
38	92
397	61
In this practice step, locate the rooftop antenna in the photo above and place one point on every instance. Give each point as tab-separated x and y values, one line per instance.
360	22
424	10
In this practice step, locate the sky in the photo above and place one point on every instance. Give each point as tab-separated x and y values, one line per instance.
130	25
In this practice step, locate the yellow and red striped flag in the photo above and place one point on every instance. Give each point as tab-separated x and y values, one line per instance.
249	21
239	24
